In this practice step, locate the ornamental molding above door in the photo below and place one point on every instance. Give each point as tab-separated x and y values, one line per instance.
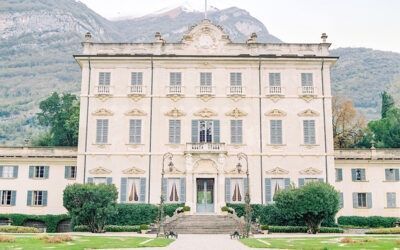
100	170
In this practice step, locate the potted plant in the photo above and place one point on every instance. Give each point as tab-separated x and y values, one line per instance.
224	210
186	210
264	228
144	228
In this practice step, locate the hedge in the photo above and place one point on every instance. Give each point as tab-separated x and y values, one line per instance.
51	221
297	229
393	230
372	221
18	229
110	228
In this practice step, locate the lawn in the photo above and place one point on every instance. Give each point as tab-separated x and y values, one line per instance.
81	242
377	242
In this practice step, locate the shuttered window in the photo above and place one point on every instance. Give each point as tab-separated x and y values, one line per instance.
70	172
392	174
175	78
104	78
358	174
274	79
339	174
137	78
341	200
309	131
39	172
306	79
276	131
102	131
205	78
236	79
236	131
7	197
391	199
37	198
174	132
135	131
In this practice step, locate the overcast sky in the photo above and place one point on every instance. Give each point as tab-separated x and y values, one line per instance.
348	23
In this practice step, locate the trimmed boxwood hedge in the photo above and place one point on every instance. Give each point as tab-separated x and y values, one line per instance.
296	229
372	221
50	220
393	230
18	229
110	228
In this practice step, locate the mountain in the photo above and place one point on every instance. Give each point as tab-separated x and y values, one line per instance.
39	37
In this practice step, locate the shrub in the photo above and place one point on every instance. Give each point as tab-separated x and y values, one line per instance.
144	227
303	229
50	220
372	221
134	214
393	230
81	228
397	242
4	238
41	237
186	209
18	229
58	239
114	228
264	227
169	209
224	209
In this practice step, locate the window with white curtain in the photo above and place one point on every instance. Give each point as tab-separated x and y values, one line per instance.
277	184
173	190
133	190
237	190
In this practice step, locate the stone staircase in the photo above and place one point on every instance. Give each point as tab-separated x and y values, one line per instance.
204	224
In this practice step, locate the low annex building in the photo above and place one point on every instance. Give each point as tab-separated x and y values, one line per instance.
204	99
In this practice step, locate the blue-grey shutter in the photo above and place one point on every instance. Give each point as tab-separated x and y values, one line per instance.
67	172
341	203
46	172
183	190
387	174
44	198
353	174
109	180
321	179
274	79
363	174
301	182
216	131
177	131
101	78
15	173
339	174
233	131
107	77
90	179
105	131
276	131
391	199
227	190
396	172
268	197
369	200
195	131
13	197
31	171
287	183
246	185
142	197
355	200
306	79
306	132
123	189
29	199
164	188
99	128
1	171
312	131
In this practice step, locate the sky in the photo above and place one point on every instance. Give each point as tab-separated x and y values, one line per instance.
348	23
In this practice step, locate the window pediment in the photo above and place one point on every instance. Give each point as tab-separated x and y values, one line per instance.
205	113
276	113
277	171
103	112
100	170
175	113
136	112
308	113
133	171
236	113
310	171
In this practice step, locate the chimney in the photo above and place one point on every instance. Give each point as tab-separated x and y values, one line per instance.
324	36
88	36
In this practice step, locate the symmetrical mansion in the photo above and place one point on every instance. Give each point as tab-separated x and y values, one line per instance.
204	99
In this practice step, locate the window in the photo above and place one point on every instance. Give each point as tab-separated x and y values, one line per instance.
309	132
276	184
135	131
137	78
306	79
205	79
6	196
174	131
133	190
392	174
104	78
338	174
276	131
175	78
303	181
8	172
274	79
205	131
236	79
237	190
102	131
341	200
39	172
99	180
391	199
173	190
236	131
272	185
358	174
362	199
70	172
37	198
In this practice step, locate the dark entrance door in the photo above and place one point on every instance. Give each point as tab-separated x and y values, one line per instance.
205	195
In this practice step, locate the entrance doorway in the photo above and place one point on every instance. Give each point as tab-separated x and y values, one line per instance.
205	195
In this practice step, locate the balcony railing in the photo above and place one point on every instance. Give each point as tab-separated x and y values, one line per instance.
308	90
205	90
275	90
175	90
205	147
136	89
103	89
235	90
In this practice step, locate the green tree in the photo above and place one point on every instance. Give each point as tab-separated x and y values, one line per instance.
91	205
387	130
387	104
61	115
311	203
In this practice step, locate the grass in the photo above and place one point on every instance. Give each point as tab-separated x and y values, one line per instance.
82	242
379	242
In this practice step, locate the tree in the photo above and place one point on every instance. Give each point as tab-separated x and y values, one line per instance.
387	103
347	124
387	130
61	115
91	205
311	203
